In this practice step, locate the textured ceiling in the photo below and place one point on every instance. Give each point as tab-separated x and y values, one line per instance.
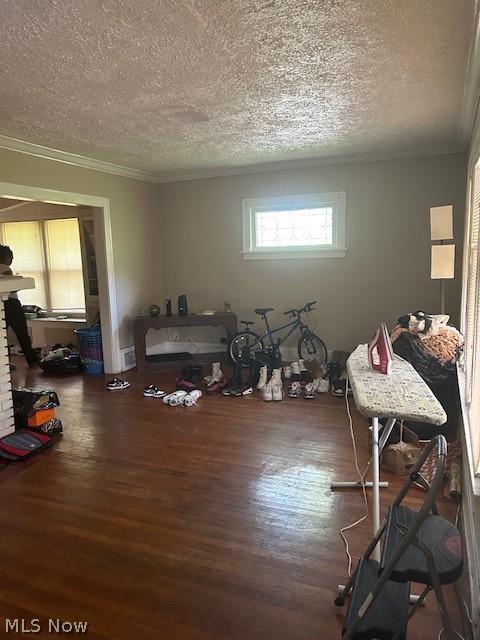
187	85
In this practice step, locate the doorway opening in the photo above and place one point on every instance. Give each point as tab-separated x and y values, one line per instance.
83	223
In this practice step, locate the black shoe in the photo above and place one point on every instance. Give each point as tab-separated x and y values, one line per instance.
235	381
243	390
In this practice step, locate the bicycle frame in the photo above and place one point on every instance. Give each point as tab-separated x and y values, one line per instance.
297	323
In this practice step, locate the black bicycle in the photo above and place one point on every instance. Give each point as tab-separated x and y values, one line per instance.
310	346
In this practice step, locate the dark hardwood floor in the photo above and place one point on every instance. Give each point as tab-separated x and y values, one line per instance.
212	522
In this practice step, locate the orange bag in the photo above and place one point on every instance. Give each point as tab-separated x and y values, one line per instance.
40	417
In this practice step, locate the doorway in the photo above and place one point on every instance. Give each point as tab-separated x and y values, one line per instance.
100	208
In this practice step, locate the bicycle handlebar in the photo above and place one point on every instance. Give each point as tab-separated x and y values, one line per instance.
295	312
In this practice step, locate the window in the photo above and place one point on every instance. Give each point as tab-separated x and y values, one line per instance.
24	238
49	251
471	315
307	226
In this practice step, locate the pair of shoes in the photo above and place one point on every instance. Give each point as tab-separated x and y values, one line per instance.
190	379
296	389
152	391
116	384
235	387
298	371
273	389
182	398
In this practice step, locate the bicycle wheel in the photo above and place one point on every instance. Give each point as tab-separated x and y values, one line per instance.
241	344
311	347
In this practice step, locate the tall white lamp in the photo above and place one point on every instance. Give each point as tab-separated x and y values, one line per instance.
443	255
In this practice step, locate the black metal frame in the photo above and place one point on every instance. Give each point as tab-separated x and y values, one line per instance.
410	538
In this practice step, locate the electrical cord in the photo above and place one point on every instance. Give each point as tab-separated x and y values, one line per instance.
362	481
460	637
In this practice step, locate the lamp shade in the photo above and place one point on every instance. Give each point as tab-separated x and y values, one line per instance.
443	261
441	222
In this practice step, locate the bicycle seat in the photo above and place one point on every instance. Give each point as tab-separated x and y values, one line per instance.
247	323
263	312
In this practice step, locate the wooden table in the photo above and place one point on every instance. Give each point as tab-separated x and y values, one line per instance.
143	324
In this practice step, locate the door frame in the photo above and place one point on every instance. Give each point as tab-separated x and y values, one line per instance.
104	251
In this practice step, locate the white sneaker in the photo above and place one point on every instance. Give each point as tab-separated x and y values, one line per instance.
267	392
323	385
116	384
263	377
308	392
191	398
277	392
152	391
175	398
302	366
295	368
217	373
287	372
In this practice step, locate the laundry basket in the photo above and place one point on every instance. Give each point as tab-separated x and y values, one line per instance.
90	349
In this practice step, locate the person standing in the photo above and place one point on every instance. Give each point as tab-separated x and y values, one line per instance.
14	313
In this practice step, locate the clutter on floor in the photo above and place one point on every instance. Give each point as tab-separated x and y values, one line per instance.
61	360
433	347
35	422
263	372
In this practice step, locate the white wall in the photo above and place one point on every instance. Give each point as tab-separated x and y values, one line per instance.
385	273
135	225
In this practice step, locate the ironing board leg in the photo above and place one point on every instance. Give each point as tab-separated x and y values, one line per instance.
375	488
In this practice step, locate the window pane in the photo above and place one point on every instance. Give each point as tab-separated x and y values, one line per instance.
25	241
305	227
64	258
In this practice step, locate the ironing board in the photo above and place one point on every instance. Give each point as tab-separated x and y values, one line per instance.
402	395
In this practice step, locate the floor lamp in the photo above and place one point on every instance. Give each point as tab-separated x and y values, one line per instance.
442	255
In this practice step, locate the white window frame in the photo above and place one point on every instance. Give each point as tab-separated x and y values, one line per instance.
334	199
467	377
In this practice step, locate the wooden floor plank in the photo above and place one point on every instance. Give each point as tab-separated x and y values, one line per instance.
212	522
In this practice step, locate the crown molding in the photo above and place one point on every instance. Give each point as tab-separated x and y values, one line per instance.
39	151
306	163
471	90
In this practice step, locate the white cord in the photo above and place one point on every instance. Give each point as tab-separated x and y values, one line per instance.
362	481
454	631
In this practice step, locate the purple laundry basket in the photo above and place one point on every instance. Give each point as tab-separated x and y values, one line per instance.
90	349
